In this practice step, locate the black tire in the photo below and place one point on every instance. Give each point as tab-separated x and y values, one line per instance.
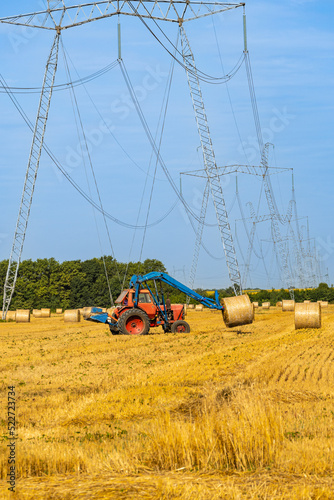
134	322
180	326
113	329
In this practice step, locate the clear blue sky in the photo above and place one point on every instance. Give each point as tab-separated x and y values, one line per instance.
291	49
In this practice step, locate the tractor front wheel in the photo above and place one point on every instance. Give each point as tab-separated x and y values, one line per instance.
180	326
134	322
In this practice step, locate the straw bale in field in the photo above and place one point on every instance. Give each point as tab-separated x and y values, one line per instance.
324	303
46	312
59	311
265	305
72	316
307	302
237	310
279	303
288	305
22	316
37	313
199	307
307	315
11	316
191	306
255	305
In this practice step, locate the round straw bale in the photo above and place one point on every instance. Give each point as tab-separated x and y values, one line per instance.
59	311
288	305
37	313
199	307
191	306
279	303
307	302
86	312
237	311
22	316
72	316
265	305
324	303
11	316
46	312
307	315
255	305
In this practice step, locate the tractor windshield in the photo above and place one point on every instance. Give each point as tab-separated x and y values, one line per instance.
144	298
121	297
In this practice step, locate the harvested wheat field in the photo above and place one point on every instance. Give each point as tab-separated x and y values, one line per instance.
217	413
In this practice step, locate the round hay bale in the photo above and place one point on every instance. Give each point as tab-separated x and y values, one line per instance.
279	303
72	316
86	312
288	305
37	313
307	302
265	305
46	312
237	311
191	306
255	305
22	316
199	307
59	311
324	303
307	315
11	316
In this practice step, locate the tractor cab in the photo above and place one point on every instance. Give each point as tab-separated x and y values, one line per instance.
145	301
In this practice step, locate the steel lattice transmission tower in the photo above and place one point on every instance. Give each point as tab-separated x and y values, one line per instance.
58	17
210	167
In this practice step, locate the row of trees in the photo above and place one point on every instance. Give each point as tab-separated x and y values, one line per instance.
73	284
322	292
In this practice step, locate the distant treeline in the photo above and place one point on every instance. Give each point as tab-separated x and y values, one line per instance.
323	292
71	284
75	283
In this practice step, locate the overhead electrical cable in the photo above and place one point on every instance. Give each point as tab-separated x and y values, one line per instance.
70	179
106	125
165	98
201	75
151	140
62	86
163	115
75	106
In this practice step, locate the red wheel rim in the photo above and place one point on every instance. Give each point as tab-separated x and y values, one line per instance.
181	328
135	325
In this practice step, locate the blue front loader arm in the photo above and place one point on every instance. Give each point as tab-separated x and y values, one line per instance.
137	280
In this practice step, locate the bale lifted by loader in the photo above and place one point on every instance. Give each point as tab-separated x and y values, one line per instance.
140	307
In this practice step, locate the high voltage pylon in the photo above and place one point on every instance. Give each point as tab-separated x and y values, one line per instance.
58	17
31	174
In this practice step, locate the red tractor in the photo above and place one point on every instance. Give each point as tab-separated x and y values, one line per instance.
139	308
129	319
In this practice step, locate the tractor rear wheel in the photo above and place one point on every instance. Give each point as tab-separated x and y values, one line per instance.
134	322
180	326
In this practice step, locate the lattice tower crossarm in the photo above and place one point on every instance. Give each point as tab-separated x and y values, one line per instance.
31	174
161	10
210	163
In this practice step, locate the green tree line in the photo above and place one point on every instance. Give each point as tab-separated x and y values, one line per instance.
322	292
75	283
72	284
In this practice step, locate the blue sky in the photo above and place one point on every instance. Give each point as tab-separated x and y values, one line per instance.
291	50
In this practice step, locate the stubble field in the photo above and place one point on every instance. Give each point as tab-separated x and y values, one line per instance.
215	414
